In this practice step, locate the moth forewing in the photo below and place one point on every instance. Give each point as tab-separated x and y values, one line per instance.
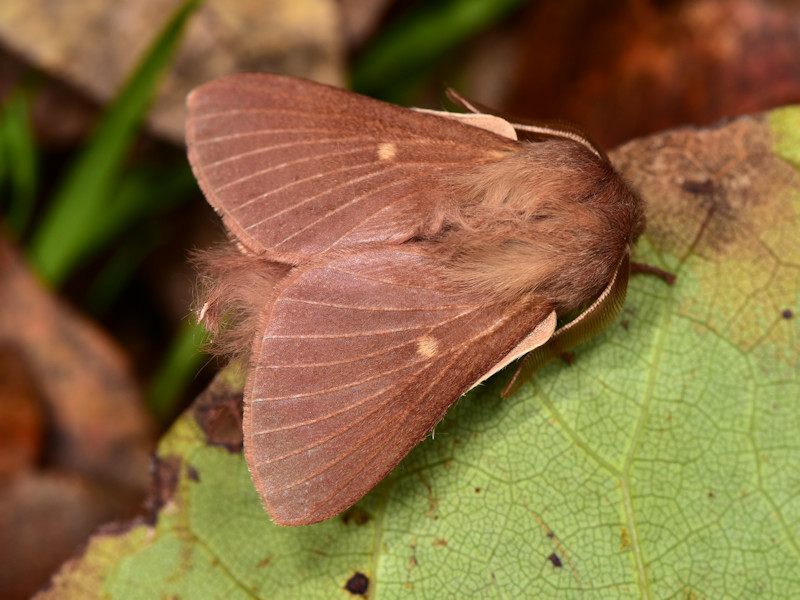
296	168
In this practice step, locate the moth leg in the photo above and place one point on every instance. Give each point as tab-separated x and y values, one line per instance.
643	268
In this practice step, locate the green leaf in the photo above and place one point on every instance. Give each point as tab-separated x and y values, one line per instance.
662	463
83	211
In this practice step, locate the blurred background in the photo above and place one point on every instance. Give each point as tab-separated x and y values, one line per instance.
99	210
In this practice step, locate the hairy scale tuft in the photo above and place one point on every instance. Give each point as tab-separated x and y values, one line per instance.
232	290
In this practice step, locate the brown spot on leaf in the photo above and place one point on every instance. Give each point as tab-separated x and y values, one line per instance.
698	187
440	543
433	501
787	314
218	412
357	584
737	243
193	474
265	562
624	540
164	476
553	558
356	515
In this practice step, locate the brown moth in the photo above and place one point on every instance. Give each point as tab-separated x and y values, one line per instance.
386	261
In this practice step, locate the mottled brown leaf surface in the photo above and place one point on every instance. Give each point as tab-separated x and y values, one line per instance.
625	69
711	191
718	196
218	410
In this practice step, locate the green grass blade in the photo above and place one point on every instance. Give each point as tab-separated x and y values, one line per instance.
78	213
19	162
177	368
141	192
144	191
118	270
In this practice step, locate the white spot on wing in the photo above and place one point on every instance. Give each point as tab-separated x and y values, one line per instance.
427	347
386	151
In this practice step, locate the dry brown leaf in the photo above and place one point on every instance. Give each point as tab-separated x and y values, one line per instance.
98	424
21	416
95	44
44	518
625	69
361	17
60	375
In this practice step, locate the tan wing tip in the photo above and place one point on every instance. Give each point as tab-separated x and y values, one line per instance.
281	511
292	520
194	97
290	516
